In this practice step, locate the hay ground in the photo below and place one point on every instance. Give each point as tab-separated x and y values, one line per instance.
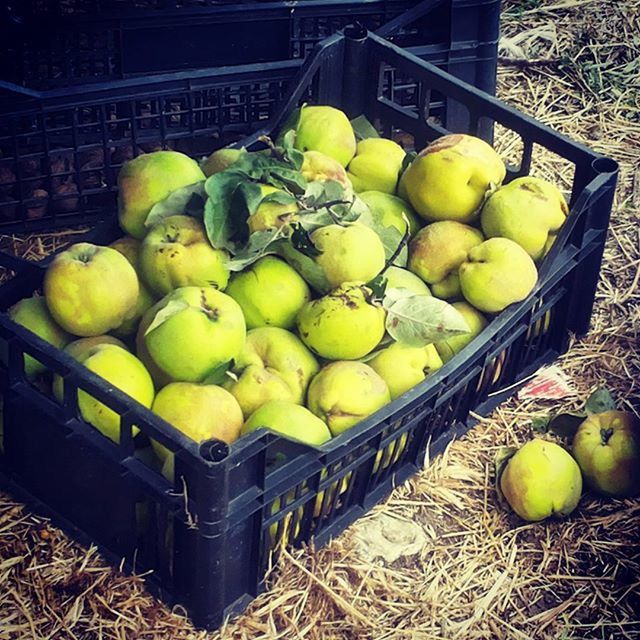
481	573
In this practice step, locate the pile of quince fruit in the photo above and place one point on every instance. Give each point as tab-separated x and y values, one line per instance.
299	288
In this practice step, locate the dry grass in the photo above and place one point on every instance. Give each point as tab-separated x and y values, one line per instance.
482	573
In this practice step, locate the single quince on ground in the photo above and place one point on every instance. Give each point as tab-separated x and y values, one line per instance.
541	480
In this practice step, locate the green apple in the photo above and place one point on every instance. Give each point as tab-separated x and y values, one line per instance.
176	253
450	177
476	322
541	480
398	278
220	160
200	411
376	165
290	420
328	130
129	247
344	393
319	167
437	251
497	273
148	179
79	350
403	367
32	313
123	371
159	377
390	211
607	449
352	252
194	330
90	289
273	365
271	215
342	325
270	293
529	211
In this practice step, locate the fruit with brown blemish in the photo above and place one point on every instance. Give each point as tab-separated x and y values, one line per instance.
272	215
607	448
344	393
437	251
177	253
450	177
319	167
274	364
529	211
345	324
148	179
90	289
192	331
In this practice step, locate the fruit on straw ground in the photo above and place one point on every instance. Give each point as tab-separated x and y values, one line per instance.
270	293
607	448
200	411
328	130
376	165
529	211
541	480
148	179
342	325
176	253
348	253
33	314
449	178
289	419
344	393
194	330
497	273
437	251
273	365
90	289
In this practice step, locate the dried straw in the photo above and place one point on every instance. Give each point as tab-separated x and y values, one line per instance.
482	573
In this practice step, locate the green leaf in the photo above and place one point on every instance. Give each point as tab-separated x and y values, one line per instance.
378	286
502	457
168	311
407	160
259	245
540	424
565	425
218	223
281	176
391	237
419	320
218	374
279	197
301	241
363	128
310	270
290	125
188	200
600	401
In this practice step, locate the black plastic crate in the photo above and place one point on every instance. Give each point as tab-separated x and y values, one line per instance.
56	43
61	150
209	539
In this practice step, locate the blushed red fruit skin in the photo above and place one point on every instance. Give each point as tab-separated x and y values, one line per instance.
611	468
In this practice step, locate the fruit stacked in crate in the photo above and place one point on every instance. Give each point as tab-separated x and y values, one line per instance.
299	288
